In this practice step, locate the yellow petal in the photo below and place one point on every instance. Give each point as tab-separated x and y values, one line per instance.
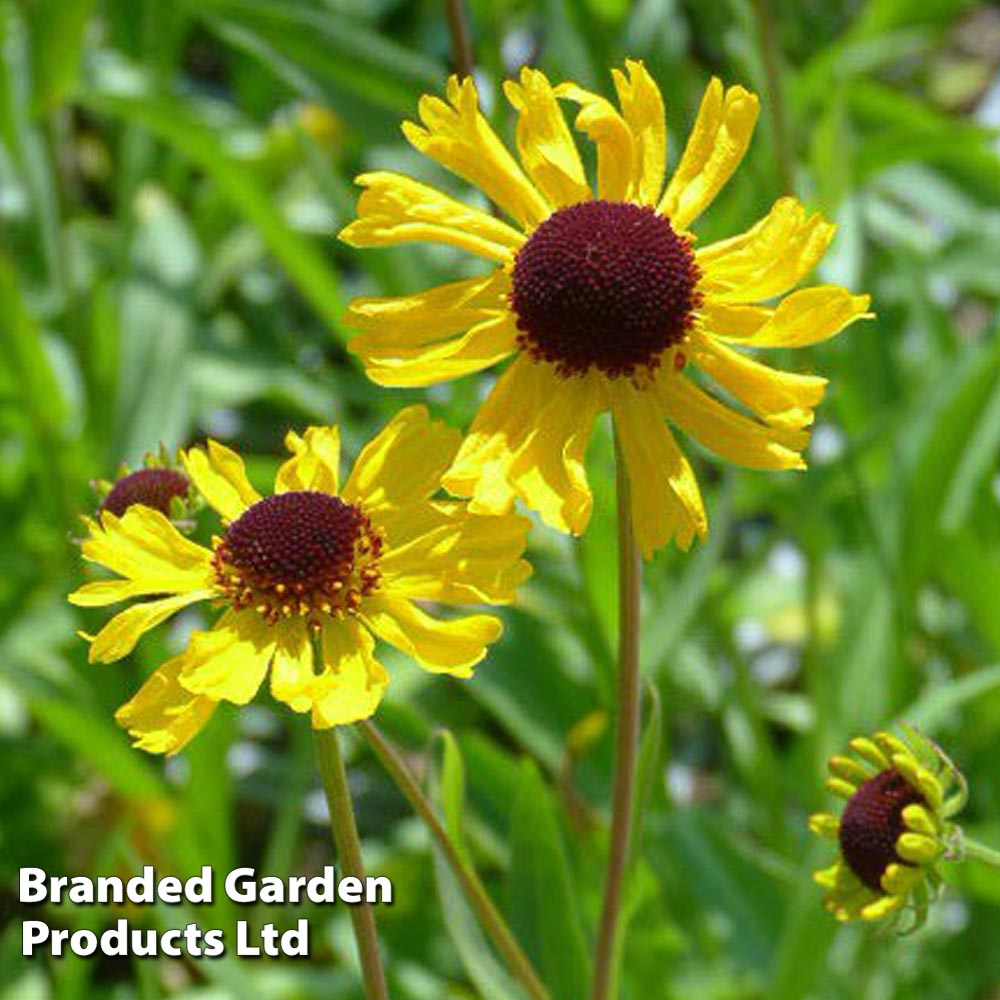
456	135
316	461
452	647
148	551
602	124
848	769
431	315
807	316
782	399
403	464
825	825
396	209
919	819
900	879
918	848
642	108
163	717
882	907
870	751
445	553
292	675
666	500
729	434
483	346
219	475
544	142
229	662
717	144
841	787
529	439
768	259
353	682
121	633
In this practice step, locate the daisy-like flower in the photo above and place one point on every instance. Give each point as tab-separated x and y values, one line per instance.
307	578
605	302
894	829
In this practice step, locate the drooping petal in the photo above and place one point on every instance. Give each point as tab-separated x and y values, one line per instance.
402	465
450	647
642	108
148	551
353	682
717	144
396	209
545	144
730	435
529	439
666	500
768	259
163	717
442	552
483	346
221	478
782	399
600	121
121	633
804	317
292	675
456	135
228	662
428	316
316	461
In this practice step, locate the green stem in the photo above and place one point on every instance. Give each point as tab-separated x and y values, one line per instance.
348	844
461	44
494	924
629	591
779	111
980	852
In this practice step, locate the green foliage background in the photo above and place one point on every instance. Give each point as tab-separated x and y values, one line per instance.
171	177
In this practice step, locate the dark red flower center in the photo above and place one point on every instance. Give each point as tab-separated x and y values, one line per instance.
605	285
299	553
151	487
871	824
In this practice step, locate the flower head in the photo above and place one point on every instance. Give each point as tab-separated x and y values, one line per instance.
308	577
602	298
159	483
895	827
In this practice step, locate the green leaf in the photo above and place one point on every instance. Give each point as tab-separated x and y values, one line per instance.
544	910
952	449
302	42
477	957
175	124
57	36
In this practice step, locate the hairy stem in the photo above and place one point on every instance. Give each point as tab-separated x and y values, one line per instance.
629	590
348	844
980	852
779	110
479	899
461	44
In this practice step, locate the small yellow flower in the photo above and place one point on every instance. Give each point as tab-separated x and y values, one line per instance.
604	301
307	577
895	827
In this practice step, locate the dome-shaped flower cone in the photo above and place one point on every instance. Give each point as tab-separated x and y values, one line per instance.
895	827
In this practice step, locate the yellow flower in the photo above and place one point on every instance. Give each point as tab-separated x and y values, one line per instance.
308	577
604	301
894	829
